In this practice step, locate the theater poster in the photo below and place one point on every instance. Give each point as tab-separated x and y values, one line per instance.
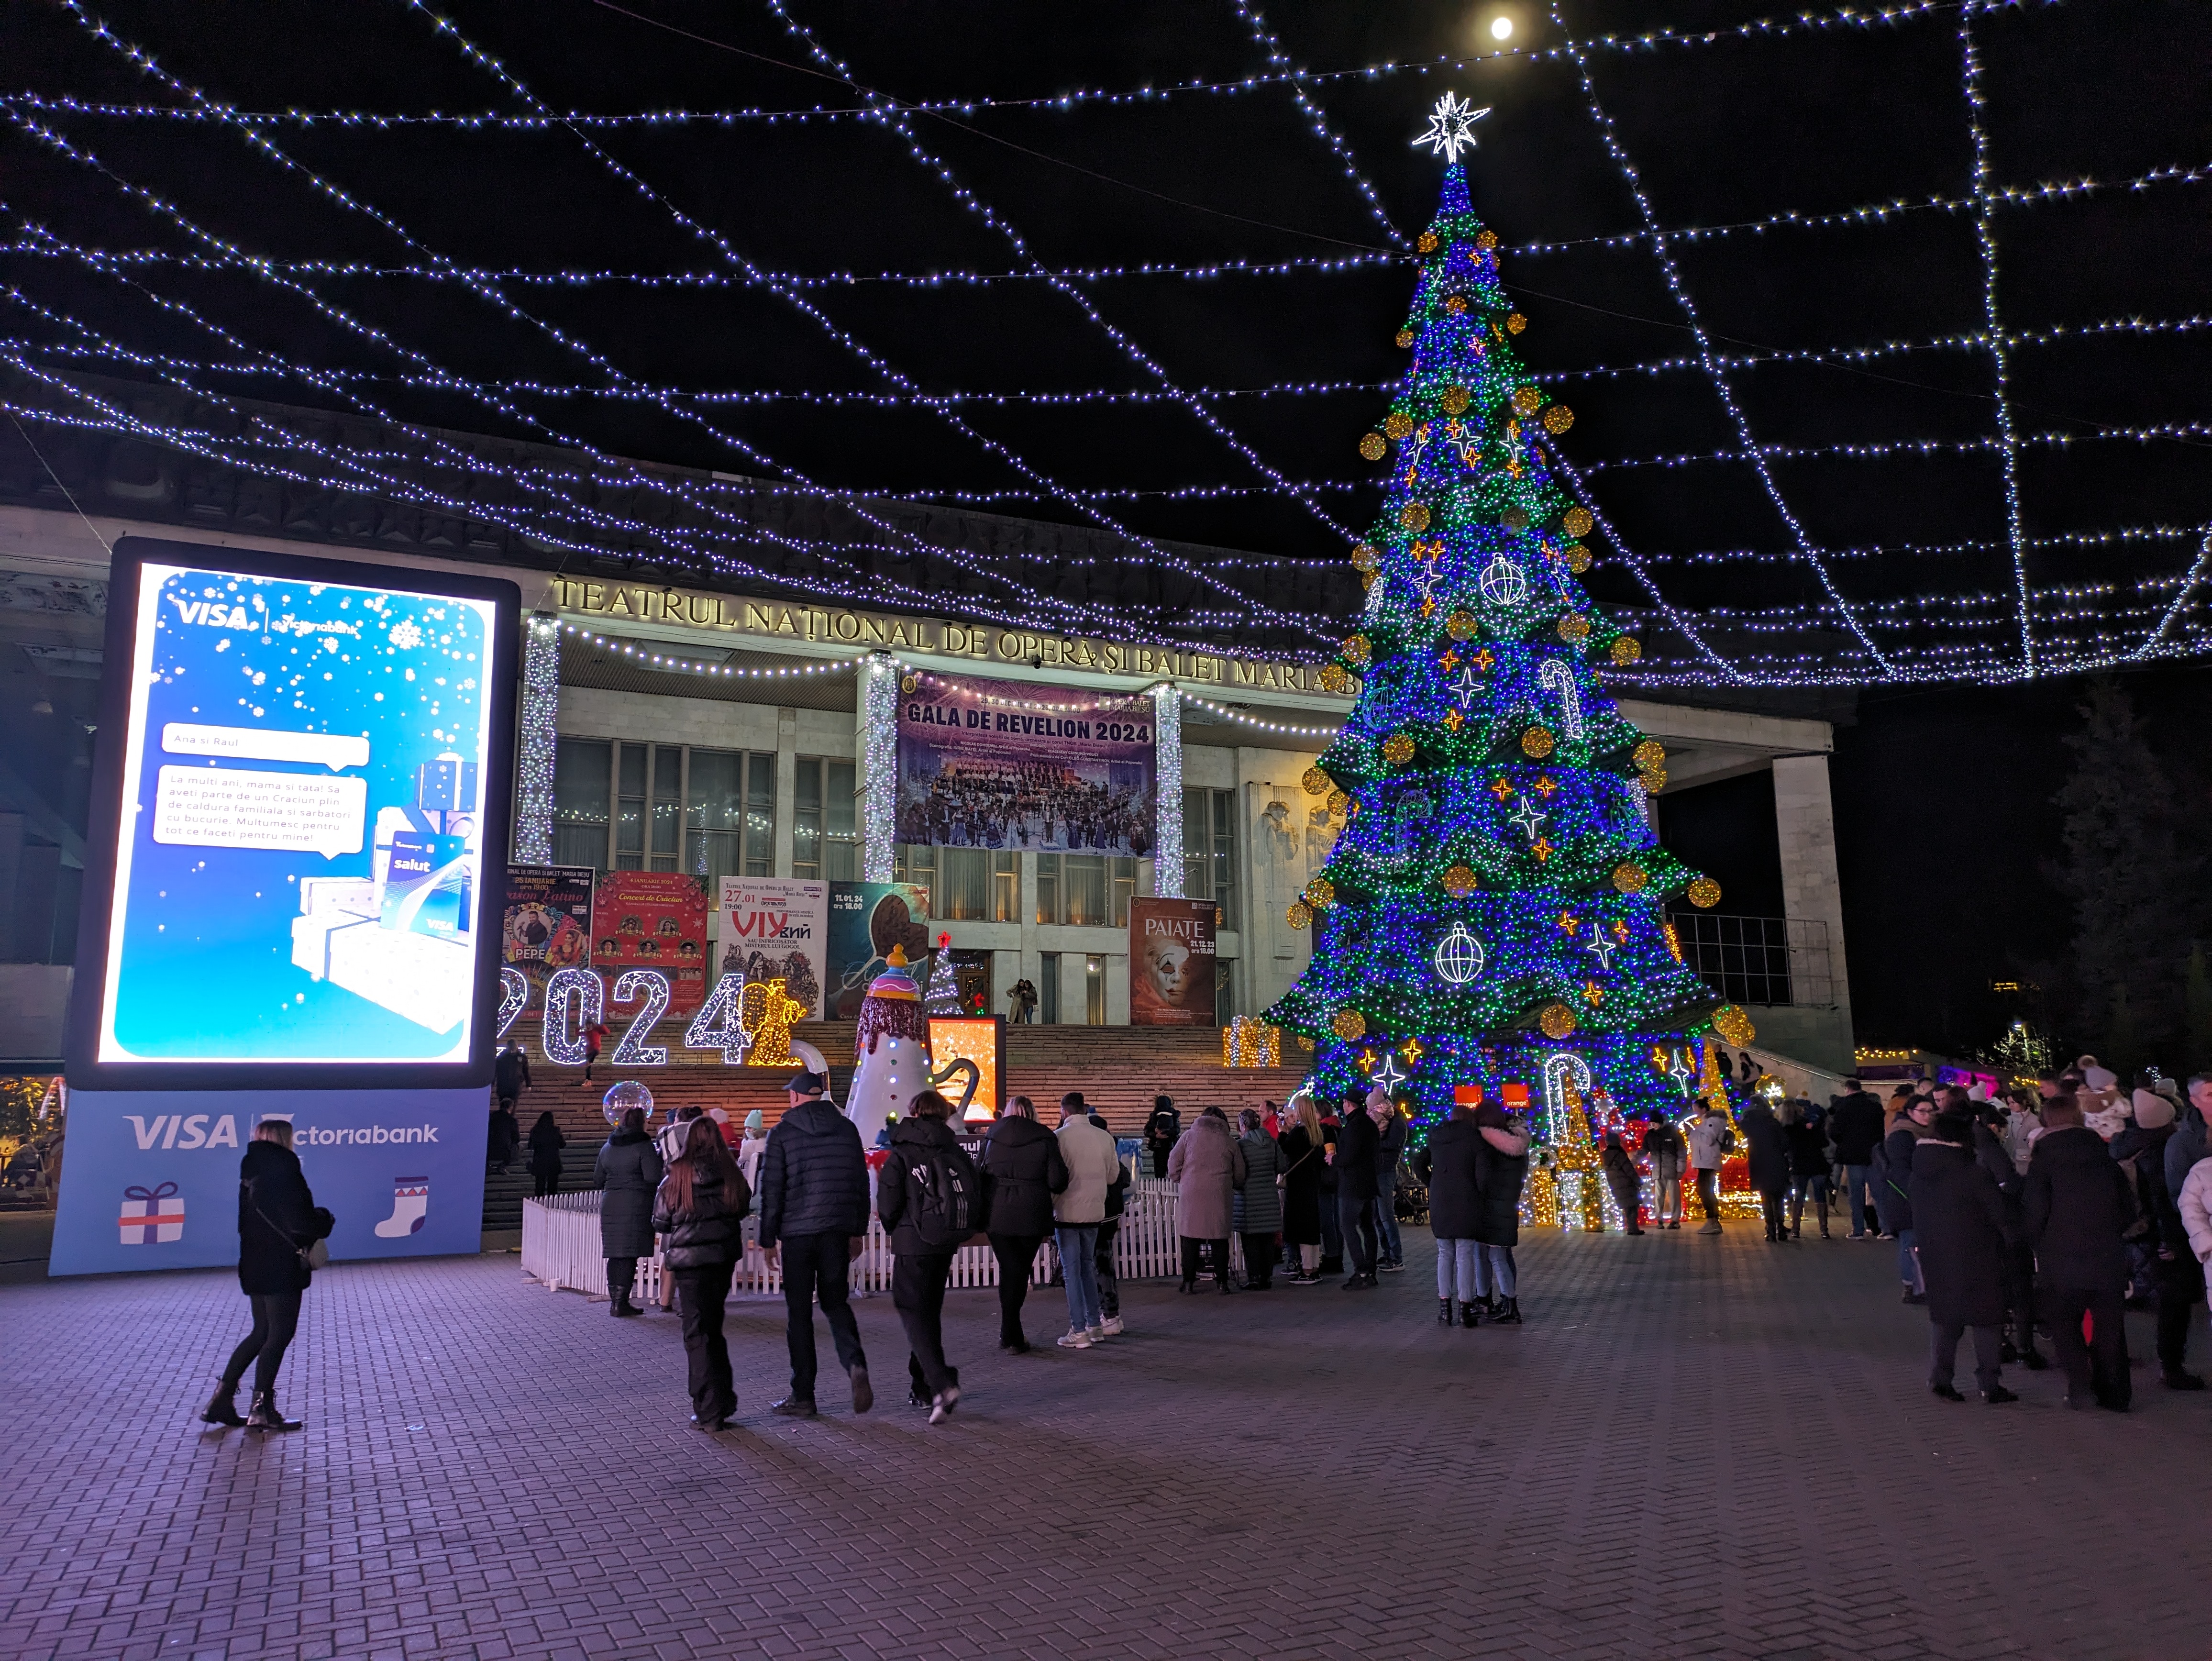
1171	963
777	928
866	920
1003	764
548	922
653	920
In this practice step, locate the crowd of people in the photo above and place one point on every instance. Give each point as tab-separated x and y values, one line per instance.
1035	804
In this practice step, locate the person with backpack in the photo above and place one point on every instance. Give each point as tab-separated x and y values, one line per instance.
1712	1138
929	1200
1022	1172
813	1211
1088	1156
1117	1200
701	1205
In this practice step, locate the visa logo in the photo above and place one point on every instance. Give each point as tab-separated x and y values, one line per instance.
212	613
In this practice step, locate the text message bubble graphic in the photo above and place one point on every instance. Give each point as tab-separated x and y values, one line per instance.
331	750
219	807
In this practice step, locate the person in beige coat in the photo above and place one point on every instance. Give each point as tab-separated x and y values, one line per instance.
1208	1168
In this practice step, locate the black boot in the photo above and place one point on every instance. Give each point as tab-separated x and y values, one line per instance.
265	1415
620	1300
1468	1317
1444	1311
1510	1315
223	1406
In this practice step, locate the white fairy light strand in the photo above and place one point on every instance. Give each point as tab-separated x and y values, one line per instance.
1241	717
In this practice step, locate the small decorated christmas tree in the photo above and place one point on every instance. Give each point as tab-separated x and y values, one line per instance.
1493	911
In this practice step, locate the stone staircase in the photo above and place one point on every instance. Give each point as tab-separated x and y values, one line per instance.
1119	1069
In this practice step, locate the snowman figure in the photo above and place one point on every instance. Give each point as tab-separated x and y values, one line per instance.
891	1051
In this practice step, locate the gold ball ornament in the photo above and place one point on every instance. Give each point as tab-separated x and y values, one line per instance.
1629	877
1734	1025
1348	1025
1321	892
1578	559
1368	579
1364	558
1461	625
1373	446
1653	779
1398	749
1574	627
1299	915
1357	650
1650	753
1459	882
1515	323
1397	424
1332	677
1487	240
1625	650
1577	521
1337	801
1525	400
1456	400
1558	418
1405	338
1537	743
1514	519
1317	783
1414	516
1455	304
1556	1021
1704	893
909	683
1426	242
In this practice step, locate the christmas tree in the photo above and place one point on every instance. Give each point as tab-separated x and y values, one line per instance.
1493	912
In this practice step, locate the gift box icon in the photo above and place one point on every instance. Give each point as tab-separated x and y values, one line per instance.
151	1214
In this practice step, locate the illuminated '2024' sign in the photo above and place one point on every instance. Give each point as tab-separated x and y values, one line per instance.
748	1021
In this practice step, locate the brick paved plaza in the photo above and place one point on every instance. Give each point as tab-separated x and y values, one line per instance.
1693	1449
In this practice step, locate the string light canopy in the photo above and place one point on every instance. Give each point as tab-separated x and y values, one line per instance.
1880	374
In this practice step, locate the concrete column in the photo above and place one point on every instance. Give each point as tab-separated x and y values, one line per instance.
1804	816
786	789
875	748
536	716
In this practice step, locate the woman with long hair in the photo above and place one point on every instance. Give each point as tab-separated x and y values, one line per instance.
278	1221
1302	1168
628	1170
701	1207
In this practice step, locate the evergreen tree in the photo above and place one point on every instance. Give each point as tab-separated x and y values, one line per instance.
1493	912
2196	1014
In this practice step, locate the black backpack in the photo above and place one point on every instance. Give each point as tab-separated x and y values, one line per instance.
942	1200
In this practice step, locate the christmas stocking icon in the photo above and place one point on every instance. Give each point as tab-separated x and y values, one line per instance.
410	1200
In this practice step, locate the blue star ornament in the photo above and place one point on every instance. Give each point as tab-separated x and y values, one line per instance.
1451	127
1528	818
1386	1076
1467	687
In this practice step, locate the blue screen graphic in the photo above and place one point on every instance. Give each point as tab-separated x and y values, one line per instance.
299	865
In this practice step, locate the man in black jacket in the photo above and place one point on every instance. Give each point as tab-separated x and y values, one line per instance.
813	1211
1958	1219
1358	1156
2077	1207
921	1265
1855	1127
1162	1131
1391	1250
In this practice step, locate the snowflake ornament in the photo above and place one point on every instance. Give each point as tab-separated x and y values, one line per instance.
1451	127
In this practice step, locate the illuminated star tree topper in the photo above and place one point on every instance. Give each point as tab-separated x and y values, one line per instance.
1451	127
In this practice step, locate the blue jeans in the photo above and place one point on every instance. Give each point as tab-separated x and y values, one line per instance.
1079	1267
1908	1259
1456	1270
1858	1189
1494	1264
1386	1215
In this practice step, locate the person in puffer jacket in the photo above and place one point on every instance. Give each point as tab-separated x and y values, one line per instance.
701	1205
813	1214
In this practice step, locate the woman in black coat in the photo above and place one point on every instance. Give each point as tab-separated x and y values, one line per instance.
1958	1221
628	1170
1500	1175
278	1221
701	1205
1807	1137
1021	1169
1450	1163
1768	1144
1304	1168
546	1142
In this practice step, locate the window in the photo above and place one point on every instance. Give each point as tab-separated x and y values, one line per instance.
825	839
1209	849
1094	991
732	814
1048	988
630	807
667	805
1088	889
965	884
582	781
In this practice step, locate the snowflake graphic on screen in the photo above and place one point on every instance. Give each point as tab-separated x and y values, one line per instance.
406	635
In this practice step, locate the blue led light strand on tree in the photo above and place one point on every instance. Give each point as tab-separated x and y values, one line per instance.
1985	235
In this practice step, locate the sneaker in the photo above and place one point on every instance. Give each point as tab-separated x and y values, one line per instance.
1389	1266
1916	1297
1073	1338
1710	1228
794	1407
2179	1379
1302	1278
941	1409
915	1398
1111	1327
1098	1333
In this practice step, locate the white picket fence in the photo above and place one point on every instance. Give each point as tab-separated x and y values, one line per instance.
560	1249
